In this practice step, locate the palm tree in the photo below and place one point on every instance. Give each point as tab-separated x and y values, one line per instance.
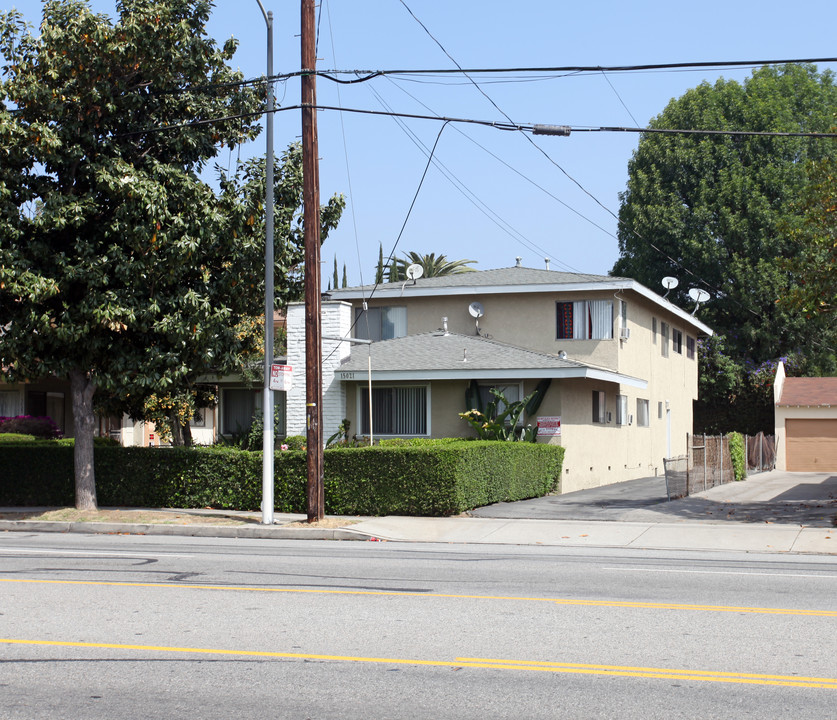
433	265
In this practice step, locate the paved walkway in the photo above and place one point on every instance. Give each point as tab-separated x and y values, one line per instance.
771	512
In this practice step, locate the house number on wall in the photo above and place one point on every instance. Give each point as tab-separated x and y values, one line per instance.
347	376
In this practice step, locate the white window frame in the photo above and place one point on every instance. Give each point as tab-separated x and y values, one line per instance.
642	410
588	320
677	340
377	328
691	347
599	407
622	417
363	404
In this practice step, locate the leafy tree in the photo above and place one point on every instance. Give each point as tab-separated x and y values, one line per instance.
814	268
432	264
718	206
119	267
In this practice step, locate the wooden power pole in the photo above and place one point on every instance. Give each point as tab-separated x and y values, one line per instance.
311	226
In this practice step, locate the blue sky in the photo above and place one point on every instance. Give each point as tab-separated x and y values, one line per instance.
521	203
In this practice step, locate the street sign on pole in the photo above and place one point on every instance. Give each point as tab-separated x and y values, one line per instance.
281	377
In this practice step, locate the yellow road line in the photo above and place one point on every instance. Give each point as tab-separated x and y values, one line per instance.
393	593
519	665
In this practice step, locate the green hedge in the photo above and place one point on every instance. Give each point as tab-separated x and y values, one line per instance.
422	480
738	455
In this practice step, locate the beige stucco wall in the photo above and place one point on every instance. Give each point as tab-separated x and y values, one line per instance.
596	454
525	320
794	413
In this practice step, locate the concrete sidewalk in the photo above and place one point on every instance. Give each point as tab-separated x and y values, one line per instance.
771	512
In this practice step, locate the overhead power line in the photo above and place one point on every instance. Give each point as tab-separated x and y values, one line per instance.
371	74
535	129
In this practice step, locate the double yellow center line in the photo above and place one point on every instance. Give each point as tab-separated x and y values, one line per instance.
484	663
404	593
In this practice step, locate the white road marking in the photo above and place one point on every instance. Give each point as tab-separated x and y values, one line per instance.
91	553
723	572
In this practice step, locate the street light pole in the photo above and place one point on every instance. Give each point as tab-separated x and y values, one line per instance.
267	402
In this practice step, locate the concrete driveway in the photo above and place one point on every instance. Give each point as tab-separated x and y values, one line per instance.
808	499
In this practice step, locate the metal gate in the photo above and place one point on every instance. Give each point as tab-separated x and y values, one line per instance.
706	465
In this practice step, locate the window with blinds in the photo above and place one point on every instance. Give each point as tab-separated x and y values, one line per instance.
395	411
382	323
585	320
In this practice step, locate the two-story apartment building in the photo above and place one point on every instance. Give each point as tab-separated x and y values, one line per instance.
621	363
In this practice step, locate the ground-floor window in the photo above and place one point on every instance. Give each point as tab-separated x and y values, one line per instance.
400	410
599	406
622	410
240	405
9	403
642	418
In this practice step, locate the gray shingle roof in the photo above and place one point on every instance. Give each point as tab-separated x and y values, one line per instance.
510	276
437	351
439	355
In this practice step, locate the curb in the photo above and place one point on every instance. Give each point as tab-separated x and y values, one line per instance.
217	531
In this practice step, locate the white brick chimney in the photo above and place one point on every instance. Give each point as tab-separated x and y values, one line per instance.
336	319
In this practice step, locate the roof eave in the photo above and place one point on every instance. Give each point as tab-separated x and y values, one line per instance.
466	373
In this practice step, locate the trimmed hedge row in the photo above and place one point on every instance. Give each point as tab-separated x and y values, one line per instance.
436	480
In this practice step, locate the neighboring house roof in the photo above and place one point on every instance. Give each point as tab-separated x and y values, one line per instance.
449	356
516	279
809	392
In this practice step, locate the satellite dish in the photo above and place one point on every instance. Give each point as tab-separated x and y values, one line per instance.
476	309
699	296
414	271
669	283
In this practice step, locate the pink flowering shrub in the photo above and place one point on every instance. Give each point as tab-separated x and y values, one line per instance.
42	427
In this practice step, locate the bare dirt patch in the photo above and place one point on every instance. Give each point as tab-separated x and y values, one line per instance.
328	523
139	517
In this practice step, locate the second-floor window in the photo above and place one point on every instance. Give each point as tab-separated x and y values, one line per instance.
690	347
383	323
585	320
664	330
677	341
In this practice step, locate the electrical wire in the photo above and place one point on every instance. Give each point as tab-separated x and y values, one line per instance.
508	229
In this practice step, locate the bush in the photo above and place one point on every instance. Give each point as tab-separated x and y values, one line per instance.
16	438
40	427
97	442
440	479
738	455
295	442
416	441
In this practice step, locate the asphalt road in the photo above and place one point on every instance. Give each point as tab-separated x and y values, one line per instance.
151	627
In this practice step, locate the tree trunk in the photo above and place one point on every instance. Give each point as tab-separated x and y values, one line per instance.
176	429
84	422
187	434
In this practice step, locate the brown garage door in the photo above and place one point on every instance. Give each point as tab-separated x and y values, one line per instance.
811	445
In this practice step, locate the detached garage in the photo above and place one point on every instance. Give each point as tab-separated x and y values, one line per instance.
806	423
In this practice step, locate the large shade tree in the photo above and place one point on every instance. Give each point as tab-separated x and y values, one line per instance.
120	268
714	212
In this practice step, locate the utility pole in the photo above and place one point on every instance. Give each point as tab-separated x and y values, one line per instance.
311	226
